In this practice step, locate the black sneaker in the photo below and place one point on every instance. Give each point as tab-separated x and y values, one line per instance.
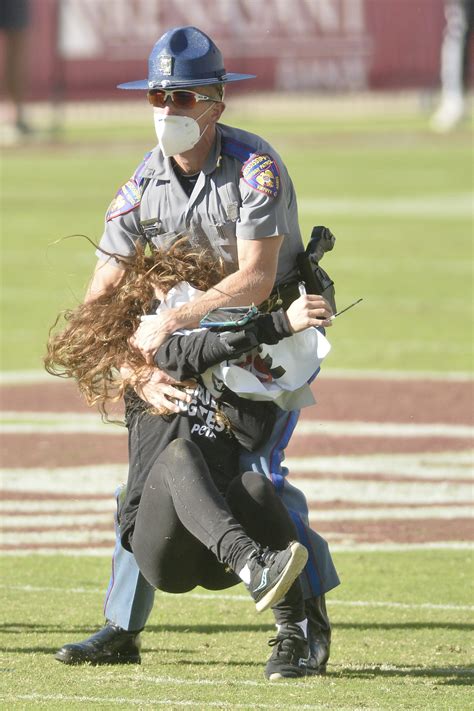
273	572
290	654
319	634
110	645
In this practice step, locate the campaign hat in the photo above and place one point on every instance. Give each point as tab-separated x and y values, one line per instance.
184	57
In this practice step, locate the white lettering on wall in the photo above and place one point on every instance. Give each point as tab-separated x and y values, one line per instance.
309	43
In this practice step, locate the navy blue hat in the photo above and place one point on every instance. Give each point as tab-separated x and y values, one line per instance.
184	56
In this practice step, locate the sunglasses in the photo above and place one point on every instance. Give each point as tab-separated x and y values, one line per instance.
181	98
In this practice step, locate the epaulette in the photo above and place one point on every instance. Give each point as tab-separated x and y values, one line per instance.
138	174
236	149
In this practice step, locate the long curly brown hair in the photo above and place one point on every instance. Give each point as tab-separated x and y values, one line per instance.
92	341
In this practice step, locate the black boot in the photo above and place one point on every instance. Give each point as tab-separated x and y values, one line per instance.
319	634
110	645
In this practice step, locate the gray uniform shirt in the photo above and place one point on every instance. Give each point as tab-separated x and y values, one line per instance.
243	192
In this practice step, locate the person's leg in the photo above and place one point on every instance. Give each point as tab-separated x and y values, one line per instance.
15	21
182	514
319	575
452	69
129	597
253	500
128	603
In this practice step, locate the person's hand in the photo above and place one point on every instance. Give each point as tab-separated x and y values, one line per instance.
152	332
309	310
158	389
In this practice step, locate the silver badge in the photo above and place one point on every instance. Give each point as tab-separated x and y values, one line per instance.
166	64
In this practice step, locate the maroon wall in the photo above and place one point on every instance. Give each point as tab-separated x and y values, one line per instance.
335	45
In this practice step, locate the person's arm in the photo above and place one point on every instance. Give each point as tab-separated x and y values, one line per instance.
106	276
186	356
251	283
150	383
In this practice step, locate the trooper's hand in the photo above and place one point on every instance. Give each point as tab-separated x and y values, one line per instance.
152	332
158	389
309	310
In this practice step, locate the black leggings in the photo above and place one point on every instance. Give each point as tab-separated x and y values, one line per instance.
186	533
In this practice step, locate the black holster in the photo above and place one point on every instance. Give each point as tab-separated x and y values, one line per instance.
316	280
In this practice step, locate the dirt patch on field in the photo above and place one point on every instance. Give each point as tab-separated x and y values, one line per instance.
370	400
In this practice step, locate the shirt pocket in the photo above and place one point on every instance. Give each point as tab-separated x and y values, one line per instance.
223	240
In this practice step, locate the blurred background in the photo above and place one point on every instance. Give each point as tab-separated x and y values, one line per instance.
354	95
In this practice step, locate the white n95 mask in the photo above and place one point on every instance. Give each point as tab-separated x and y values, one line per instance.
176	134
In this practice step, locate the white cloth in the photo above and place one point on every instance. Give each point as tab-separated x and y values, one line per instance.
280	372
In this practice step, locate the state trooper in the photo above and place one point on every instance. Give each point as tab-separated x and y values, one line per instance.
229	191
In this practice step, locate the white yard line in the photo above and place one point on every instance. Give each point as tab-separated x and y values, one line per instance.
245	598
100	479
57	521
382	429
457	206
71	422
384	491
57	423
428	465
9	508
82	536
172	703
26	377
346	547
386	514
59	518
446	468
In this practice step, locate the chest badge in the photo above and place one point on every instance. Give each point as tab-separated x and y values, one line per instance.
261	173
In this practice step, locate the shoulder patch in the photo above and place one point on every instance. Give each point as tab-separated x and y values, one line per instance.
261	173
126	199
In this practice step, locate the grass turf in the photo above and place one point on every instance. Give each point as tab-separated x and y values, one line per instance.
396	196
209	652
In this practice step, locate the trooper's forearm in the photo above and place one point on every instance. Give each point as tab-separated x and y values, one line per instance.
186	356
244	287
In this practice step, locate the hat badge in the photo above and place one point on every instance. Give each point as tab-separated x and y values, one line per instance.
166	64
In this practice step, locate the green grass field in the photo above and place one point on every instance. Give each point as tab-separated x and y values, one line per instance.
402	640
398	198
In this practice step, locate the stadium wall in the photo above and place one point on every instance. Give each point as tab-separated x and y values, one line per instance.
80	49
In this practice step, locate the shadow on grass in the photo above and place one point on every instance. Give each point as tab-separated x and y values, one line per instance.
458	675
22	627
18	627
463	626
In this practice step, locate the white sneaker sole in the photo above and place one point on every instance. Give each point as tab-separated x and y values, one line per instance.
296	563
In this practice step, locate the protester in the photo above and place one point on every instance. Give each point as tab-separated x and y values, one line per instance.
185	499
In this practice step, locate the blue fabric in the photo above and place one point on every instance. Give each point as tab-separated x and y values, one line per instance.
311	569
238	150
268	459
129	598
184	56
